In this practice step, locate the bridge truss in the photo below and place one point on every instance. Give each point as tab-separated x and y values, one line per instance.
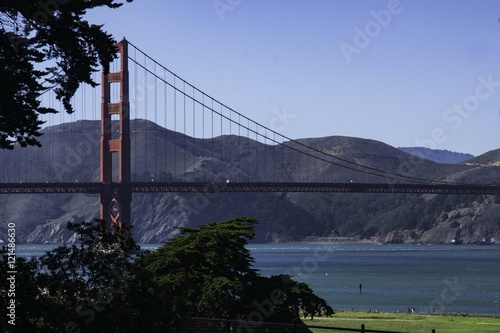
112	189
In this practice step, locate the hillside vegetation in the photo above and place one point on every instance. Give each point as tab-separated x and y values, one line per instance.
70	152
438	155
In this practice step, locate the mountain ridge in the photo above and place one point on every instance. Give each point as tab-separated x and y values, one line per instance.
438	155
284	217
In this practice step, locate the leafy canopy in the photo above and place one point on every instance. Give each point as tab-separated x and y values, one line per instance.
107	284
208	269
75	288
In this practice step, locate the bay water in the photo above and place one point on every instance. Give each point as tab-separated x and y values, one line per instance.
392	278
379	277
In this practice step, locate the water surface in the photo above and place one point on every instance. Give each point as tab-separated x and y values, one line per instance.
394	278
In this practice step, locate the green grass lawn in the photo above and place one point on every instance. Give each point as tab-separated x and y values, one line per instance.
411	323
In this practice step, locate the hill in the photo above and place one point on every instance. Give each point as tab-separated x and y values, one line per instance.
70	153
491	158
438	155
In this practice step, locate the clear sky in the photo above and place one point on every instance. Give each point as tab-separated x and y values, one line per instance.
407	73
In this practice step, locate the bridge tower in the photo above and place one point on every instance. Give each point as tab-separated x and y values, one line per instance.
116	197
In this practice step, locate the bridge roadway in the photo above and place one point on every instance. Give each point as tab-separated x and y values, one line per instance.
215	187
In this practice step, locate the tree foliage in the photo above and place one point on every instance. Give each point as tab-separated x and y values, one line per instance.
209	271
75	287
45	45
366	215
107	284
208	268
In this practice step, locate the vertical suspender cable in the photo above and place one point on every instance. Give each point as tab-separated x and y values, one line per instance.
155	153
213	138
184	148
221	143
239	148
316	169
257	151
175	129
282	156
203	134
266	148
73	151
135	130
165	114
250	155
274	156
299	169
230	160
266	171
95	157
146	148
195	139
61	140
39	171
24	170
50	170
85	156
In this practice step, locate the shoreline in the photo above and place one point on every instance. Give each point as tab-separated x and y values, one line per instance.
344	240
430	314
353	240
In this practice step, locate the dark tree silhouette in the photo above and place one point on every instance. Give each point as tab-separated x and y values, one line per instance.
207	271
44	45
105	283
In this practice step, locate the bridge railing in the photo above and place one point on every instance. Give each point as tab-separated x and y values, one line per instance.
216	187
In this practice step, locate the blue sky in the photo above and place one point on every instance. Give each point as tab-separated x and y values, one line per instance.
407	73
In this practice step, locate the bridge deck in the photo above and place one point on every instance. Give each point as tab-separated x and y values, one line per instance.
213	187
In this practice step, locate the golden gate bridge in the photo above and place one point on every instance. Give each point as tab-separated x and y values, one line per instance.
166	135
